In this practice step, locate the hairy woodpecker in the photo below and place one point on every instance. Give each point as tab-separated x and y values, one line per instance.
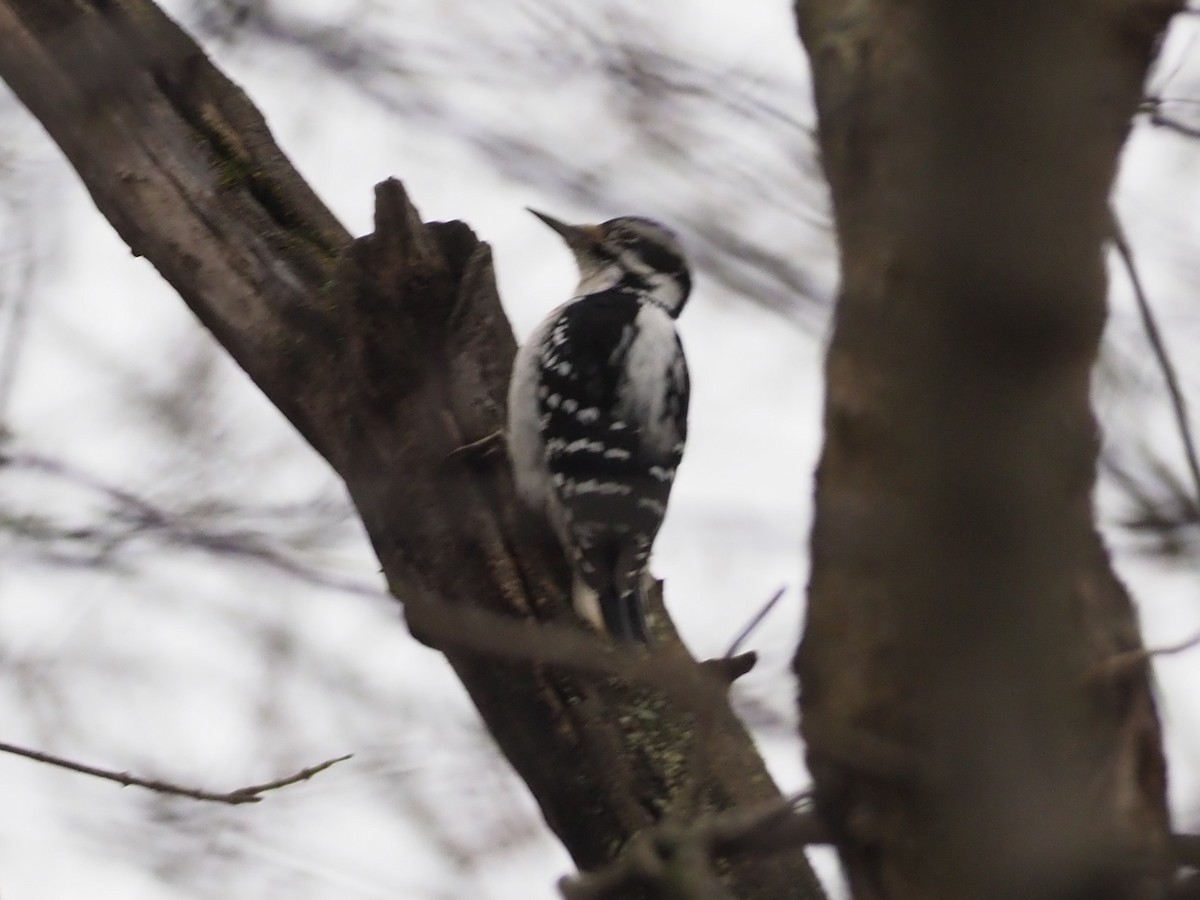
597	413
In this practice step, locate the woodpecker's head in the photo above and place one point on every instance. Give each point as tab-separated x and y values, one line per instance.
631	252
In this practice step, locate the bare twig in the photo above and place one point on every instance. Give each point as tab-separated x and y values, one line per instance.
490	446
136	516
250	794
1154	336
1178	647
1120	663
753	624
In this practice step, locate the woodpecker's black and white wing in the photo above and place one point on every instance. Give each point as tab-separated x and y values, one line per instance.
613	400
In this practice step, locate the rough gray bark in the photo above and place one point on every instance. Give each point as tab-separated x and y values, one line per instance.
386	353
968	732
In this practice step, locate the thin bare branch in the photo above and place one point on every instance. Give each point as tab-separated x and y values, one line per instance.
1172	649
1159	347
249	794
753	624
1120	663
134	516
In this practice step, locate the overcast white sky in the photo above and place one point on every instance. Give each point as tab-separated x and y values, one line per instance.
217	670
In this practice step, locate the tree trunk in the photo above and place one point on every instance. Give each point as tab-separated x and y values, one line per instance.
969	731
386	353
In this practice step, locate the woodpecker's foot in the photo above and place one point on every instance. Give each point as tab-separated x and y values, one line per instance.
484	450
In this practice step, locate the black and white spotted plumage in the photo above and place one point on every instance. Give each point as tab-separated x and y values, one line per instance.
598	413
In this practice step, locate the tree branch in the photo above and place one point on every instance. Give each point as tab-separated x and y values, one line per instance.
678	862
752	625
249	794
1161	355
386	353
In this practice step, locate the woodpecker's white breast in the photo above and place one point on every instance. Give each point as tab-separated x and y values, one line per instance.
526	442
653	362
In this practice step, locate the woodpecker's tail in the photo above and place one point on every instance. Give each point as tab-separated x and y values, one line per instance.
608	591
623	605
624	617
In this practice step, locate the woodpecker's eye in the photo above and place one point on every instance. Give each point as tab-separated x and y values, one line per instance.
652	244
659	257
